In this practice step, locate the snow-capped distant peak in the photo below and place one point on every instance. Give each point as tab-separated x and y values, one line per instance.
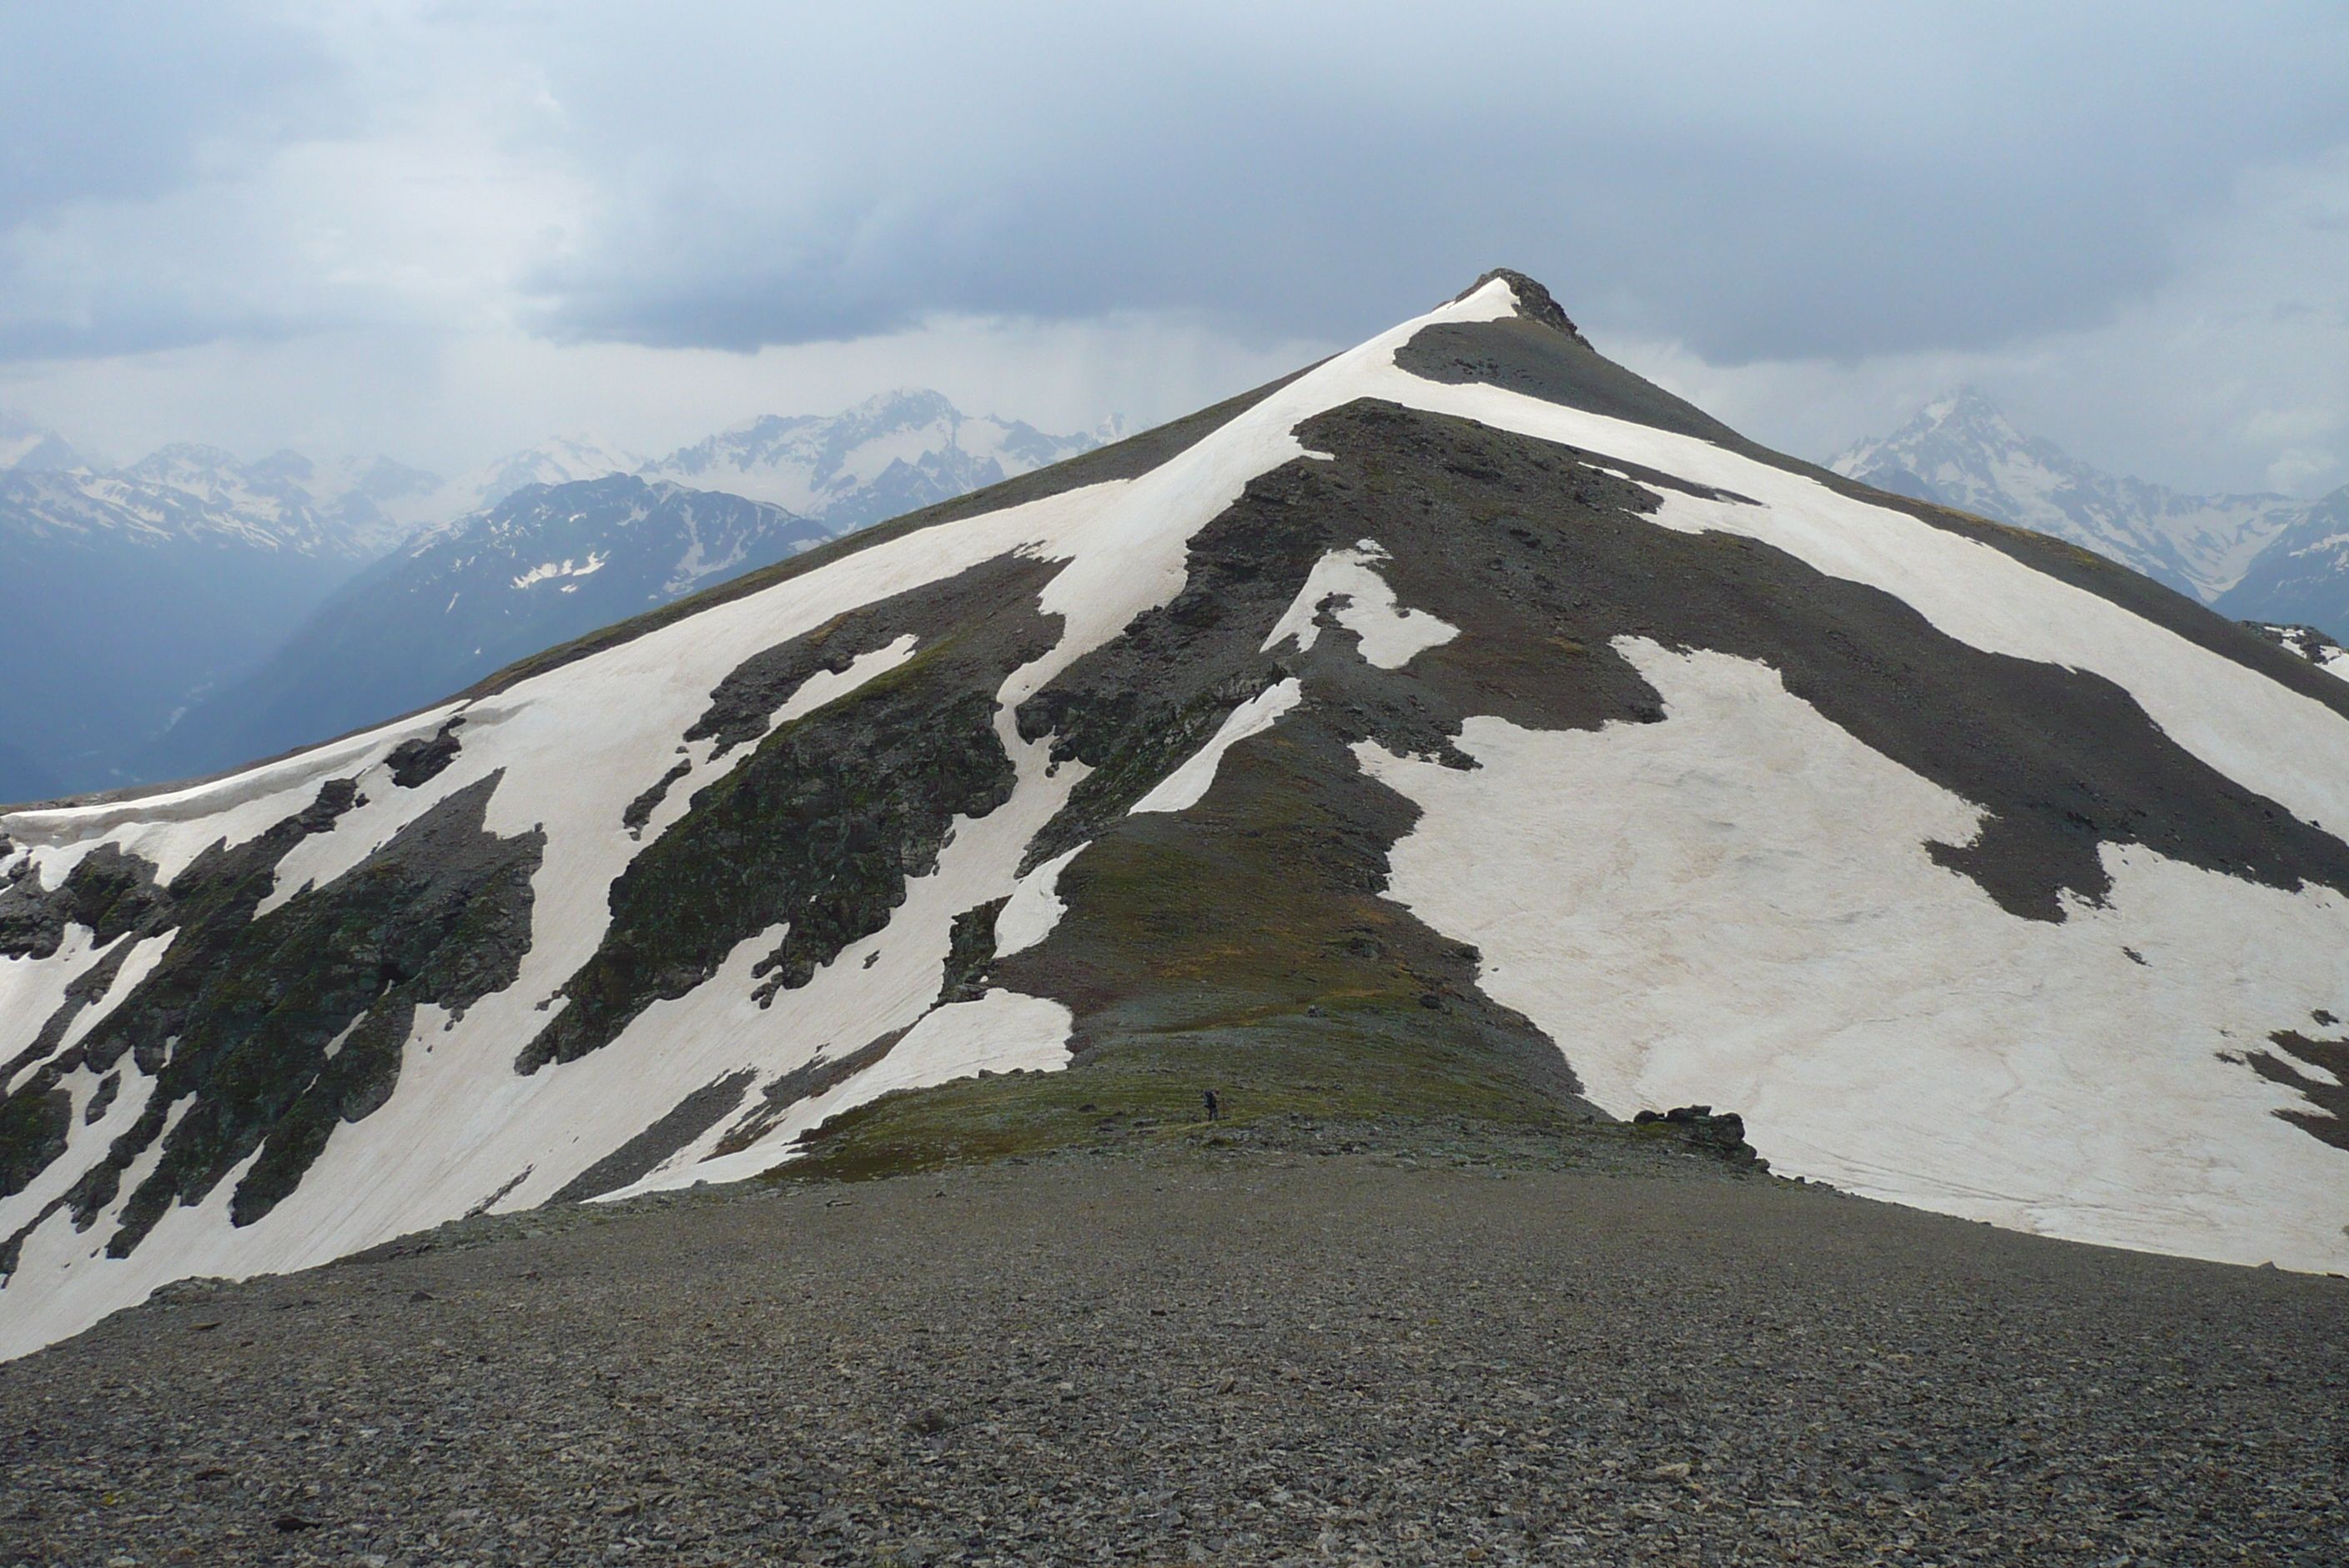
895	451
559	461
27	446
1961	451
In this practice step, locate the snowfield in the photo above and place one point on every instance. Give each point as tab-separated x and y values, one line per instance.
1732	907
1694	911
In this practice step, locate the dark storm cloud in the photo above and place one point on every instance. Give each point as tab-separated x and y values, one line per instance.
111	100
1822	179
1776	180
107	106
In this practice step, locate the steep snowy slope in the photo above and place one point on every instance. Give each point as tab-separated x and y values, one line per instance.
1462	700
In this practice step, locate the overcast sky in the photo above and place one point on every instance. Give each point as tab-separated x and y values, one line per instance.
447	230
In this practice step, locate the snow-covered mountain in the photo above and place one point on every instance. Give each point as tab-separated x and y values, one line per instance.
375	501
130	592
2304	576
560	461
27	446
459	601
190	493
255	546
1959	450
1462	718
888	455
547	565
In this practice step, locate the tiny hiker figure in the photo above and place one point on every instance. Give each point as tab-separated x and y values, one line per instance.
1215	1106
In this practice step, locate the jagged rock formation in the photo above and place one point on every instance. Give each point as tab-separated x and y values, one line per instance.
1464	725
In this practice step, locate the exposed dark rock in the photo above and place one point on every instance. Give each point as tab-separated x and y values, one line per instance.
1721	1134
1534	302
2326	1089
108	891
84	990
640	811
414	762
691	1117
970	948
1534	555
1529	357
745	702
277	1027
115	895
34	1125
818	828
802	1083
1134	707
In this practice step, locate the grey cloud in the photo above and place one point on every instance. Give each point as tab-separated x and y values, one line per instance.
115	99
1705	177
1867	192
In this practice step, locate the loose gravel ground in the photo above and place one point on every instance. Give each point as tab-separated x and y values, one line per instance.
1195	1354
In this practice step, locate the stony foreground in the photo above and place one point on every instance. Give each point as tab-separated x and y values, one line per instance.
1197	1355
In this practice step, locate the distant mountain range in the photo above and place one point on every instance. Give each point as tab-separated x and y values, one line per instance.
26	448
543	566
1959	450
128	592
884	458
185	584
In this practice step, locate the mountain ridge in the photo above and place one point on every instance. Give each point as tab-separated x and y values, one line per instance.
1462	716
257	549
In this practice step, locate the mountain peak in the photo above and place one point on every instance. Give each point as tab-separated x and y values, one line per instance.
1535	302
182	456
30	446
911	403
1961	451
1460	711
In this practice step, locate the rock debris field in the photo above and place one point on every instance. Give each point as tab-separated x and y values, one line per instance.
1243	1357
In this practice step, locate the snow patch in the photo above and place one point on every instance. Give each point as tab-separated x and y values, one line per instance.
1034	907
1693	909
1188	784
1363	603
548	571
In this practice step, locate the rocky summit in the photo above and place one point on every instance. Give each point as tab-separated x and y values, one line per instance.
1462	732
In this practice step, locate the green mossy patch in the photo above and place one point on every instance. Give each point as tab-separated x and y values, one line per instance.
1354	1066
